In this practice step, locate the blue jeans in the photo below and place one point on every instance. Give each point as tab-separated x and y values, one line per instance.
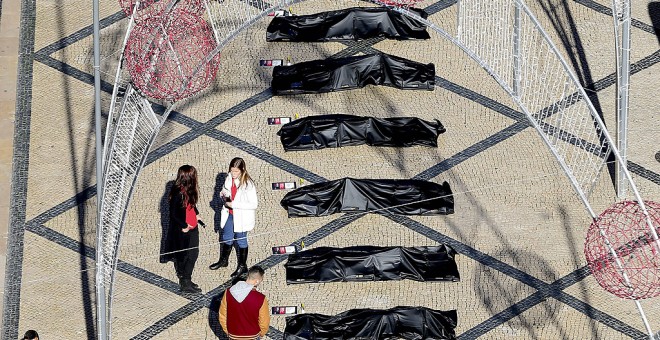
228	234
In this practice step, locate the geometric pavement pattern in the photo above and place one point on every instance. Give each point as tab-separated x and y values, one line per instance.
541	288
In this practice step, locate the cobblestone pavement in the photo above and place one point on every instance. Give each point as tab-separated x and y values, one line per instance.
9	28
519	228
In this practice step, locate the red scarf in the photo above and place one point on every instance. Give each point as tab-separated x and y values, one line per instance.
234	189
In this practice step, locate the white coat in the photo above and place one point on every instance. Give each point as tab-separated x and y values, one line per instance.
244	205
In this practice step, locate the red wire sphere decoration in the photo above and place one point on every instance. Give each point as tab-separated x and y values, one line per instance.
155	8
167	56
625	226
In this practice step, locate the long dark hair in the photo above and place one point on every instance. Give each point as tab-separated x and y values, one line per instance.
186	183
239	163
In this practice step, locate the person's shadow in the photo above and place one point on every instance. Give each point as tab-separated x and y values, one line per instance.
654	14
214	313
165	223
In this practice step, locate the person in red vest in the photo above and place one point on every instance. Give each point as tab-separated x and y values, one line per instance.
244	312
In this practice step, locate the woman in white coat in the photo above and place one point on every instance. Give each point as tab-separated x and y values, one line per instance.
237	216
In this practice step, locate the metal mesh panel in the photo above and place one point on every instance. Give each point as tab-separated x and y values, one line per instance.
230	17
527	65
135	130
553	100
122	79
486	27
571	125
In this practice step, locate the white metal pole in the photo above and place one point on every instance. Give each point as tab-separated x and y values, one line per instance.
622	17
100	288
516	50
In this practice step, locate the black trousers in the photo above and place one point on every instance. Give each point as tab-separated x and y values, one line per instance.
184	262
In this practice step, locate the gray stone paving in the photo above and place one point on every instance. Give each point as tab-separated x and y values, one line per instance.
518	226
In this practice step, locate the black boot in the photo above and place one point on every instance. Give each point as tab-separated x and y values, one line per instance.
225	251
177	268
187	286
241	255
193	284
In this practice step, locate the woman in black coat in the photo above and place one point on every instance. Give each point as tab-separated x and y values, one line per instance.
183	234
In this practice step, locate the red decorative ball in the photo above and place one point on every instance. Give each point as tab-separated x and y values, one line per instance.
167	56
155	8
625	227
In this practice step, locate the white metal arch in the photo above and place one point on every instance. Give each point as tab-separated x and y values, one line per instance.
240	21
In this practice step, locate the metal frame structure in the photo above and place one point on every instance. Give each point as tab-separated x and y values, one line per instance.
103	297
512	88
536	123
621	17
101	316
136	129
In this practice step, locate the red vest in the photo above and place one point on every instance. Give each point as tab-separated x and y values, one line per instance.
243	317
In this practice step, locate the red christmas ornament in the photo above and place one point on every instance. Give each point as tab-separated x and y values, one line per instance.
625	227
155	8
168	57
